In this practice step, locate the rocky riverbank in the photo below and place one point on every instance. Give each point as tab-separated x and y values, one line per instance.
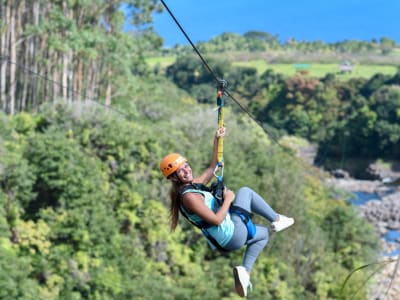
383	207
383	211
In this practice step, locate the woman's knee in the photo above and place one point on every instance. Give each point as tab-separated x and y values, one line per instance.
242	198
245	190
262	233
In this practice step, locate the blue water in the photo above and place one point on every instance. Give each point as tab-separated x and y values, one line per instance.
393	253
392	236
360	198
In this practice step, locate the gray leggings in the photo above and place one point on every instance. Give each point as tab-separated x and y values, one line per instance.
249	200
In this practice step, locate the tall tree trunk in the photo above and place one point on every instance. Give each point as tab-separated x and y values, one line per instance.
91	81
13	58
46	80
78	79
4	48
72	80
25	79
66	59
33	53
108	88
56	76
65	75
21	19
70	84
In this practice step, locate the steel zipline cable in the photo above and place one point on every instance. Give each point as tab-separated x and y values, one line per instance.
216	78
191	43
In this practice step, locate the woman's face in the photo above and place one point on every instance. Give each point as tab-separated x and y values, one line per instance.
184	173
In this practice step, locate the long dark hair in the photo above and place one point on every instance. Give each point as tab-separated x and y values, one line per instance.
174	205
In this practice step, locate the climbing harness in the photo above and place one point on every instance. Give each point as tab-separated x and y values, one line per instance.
203	226
244	215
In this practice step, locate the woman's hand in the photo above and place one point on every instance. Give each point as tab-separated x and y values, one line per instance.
220	132
229	196
208	174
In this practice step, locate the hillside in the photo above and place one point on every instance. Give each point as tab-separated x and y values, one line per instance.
87	207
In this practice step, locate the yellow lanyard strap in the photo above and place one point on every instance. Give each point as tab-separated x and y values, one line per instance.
220	152
220	102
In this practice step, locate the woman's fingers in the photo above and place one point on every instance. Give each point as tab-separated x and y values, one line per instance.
221	132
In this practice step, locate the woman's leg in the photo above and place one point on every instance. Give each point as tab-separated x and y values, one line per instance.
249	200
254	246
239	237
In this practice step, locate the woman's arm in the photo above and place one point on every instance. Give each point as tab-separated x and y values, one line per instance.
208	174
194	203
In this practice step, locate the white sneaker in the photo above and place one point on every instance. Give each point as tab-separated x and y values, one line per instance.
282	223
242	280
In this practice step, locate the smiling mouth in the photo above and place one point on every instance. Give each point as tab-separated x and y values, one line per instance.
187	176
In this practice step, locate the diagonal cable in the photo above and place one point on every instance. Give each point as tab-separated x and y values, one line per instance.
191	43
216	77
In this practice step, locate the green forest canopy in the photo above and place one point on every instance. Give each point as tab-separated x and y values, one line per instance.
84	209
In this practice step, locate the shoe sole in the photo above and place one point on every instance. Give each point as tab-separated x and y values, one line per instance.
238	286
274	229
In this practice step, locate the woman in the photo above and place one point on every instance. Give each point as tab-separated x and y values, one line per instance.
221	225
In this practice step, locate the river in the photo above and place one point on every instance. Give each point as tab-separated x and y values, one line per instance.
391	237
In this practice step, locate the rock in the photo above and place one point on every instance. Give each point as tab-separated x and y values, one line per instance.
354	185
339	173
389	172
393	225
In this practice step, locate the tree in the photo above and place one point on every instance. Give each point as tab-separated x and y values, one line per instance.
386	104
387	45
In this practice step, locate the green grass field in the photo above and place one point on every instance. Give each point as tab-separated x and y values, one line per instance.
161	61
319	70
314	70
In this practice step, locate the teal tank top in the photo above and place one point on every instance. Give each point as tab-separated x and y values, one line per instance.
221	233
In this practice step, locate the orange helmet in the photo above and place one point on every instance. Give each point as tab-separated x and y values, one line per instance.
171	163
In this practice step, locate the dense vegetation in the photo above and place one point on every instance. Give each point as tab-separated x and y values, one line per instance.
83	206
256	41
83	211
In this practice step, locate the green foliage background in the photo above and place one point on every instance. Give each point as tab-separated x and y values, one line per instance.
84	207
